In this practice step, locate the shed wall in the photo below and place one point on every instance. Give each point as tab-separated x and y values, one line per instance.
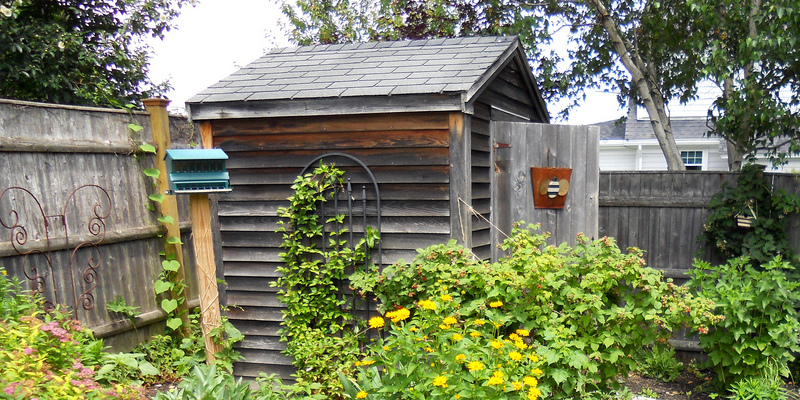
410	157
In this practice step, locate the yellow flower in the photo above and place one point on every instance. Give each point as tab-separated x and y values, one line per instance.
446	297
517	385
461	357
514	336
444	327
429	350
440	381
398	315
530	381
479	322
427	304
475	366
367	362
412	329
457	336
450	321
498	374
376	322
496	304
357	363
497	344
361	395
385	348
495	380
458	396
534	393
520	345
523	332
474	334
515	356
536	371
534	358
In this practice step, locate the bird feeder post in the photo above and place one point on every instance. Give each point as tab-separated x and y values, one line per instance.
198	172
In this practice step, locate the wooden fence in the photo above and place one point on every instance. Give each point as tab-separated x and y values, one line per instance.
663	213
75	222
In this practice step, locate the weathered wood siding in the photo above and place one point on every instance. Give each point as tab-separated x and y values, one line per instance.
51	151
410	157
575	147
663	213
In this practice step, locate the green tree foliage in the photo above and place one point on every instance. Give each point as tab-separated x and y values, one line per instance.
753	54
655	52
88	52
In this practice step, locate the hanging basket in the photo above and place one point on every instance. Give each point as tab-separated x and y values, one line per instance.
550	186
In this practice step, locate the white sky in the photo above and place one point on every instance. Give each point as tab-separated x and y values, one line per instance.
216	37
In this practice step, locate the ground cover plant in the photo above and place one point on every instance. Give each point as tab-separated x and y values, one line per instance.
588	307
48	355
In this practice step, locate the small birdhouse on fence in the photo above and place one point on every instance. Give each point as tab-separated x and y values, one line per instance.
191	171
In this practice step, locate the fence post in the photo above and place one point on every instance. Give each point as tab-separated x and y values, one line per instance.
159	123
204	257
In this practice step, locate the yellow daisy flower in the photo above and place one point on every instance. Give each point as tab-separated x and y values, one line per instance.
376	322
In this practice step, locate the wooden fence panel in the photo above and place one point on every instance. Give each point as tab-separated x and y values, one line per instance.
529	144
663	214
75	194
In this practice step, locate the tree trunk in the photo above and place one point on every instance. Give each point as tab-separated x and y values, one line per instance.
658	120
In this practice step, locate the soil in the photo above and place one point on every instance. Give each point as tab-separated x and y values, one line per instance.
690	385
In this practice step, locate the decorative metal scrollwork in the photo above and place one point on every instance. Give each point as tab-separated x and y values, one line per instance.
37	236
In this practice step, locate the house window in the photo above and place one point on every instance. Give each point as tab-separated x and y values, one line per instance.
693	160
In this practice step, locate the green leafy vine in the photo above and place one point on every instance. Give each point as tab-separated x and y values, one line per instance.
315	320
752	201
167	281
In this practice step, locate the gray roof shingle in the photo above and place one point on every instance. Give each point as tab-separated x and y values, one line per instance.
364	69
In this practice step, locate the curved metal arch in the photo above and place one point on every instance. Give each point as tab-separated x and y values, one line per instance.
374	185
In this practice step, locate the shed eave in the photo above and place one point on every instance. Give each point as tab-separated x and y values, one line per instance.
514	53
204	111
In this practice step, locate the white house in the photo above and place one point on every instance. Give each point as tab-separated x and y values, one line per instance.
632	146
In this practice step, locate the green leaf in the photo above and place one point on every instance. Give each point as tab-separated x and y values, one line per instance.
174	240
157	197
152	172
147	148
559	375
166	219
169	305
135	127
145	368
162	286
174	323
170	265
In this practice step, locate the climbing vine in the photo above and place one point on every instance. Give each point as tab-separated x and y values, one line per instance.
753	202
315	321
167	279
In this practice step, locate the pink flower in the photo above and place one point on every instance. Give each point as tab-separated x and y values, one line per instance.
28	351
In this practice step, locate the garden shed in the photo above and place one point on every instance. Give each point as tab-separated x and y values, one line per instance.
413	115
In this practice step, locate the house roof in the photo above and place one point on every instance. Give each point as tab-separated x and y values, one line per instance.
449	73
682	128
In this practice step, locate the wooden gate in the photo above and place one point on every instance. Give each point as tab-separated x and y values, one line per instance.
518	147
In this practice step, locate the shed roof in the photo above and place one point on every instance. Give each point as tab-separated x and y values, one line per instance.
450	73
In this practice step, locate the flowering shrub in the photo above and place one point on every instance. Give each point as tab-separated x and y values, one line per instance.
760	330
47	356
441	354
588	307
